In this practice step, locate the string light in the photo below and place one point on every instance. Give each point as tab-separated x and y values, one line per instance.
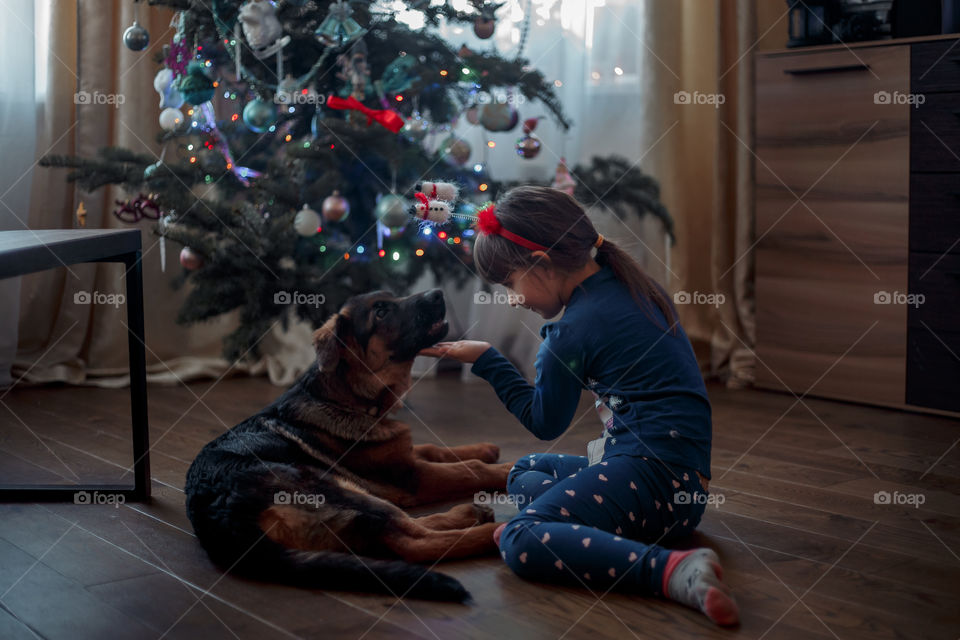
491	144
288	137
360	249
346	256
396	255
443	72
419	252
456	240
483	187
442	235
381	253
618	71
399	98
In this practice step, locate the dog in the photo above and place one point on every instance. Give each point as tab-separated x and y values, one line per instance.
310	491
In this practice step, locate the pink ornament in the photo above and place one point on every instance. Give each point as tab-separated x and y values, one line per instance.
190	259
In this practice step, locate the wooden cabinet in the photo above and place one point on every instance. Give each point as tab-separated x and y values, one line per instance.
841	153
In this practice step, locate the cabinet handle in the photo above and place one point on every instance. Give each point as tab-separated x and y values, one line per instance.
835	69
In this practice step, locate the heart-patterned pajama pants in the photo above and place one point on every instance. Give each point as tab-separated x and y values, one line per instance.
600	526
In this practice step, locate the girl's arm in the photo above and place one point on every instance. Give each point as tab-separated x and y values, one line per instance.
545	408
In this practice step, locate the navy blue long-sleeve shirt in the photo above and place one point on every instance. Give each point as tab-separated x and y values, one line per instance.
608	343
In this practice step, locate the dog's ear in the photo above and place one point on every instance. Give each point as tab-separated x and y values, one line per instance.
328	342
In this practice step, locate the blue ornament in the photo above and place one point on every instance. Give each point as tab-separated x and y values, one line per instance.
259	115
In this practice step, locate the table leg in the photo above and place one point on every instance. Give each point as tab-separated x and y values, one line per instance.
138	376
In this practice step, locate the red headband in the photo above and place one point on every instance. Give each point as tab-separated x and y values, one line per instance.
487	223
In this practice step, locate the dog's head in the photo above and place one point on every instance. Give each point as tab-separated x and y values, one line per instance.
374	338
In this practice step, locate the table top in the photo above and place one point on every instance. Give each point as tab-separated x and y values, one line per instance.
30	250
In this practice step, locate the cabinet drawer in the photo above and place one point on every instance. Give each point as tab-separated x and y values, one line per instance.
935	133
819	329
935	66
822	135
829	99
933	369
935	276
934	212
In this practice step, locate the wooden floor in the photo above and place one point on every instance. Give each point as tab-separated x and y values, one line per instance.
805	547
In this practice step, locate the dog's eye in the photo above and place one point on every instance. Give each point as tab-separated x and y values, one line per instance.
381	313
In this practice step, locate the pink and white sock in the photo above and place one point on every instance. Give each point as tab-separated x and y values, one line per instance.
694	578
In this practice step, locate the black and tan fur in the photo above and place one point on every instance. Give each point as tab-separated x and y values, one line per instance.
331	435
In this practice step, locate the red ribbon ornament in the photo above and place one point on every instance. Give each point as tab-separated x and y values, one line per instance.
389	119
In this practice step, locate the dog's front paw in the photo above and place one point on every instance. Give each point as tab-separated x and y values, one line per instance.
488	452
483	513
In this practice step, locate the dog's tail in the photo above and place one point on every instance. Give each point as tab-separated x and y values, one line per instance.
334	570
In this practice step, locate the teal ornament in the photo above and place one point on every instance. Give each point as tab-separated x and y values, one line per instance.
338	28
392	211
398	76
259	115
195	87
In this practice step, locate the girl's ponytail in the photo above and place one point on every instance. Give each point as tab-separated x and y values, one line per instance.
629	272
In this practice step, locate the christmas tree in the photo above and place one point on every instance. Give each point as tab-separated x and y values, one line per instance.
295	135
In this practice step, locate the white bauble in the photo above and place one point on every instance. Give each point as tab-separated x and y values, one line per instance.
170	119
306	222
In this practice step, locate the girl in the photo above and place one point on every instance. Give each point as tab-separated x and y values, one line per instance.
599	520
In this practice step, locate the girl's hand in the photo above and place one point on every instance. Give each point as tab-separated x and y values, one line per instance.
463	350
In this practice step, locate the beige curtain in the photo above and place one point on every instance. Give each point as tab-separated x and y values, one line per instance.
87	344
705	168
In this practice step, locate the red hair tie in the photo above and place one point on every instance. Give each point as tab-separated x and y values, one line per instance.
488	223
